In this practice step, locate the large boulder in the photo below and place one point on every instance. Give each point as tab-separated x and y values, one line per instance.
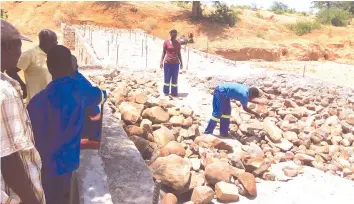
131	117
133	130
174	147
218	171
163	136
274	133
156	115
202	195
169	198
130	106
173	171
248	181
210	141
226	192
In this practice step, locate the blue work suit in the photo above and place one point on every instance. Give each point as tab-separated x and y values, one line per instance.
57	117
171	79
92	128
222	106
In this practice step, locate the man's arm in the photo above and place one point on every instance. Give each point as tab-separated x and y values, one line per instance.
14	74
94	96
15	176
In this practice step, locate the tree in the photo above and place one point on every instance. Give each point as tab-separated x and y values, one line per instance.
196	10
279	6
343	5
4	14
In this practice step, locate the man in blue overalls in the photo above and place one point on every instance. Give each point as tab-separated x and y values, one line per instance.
222	106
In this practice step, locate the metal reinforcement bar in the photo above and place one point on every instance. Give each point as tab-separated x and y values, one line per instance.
156	196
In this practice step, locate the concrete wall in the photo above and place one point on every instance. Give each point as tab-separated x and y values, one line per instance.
116	173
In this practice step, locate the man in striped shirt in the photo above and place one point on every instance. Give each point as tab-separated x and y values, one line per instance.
20	161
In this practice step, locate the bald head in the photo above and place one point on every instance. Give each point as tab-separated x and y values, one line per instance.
47	39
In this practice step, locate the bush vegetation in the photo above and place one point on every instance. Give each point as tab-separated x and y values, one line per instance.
223	14
4	14
303	27
334	16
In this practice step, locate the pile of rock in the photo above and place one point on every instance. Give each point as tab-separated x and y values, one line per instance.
299	128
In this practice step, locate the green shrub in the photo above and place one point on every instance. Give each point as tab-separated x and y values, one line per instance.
184	4
303	27
279	12
224	14
334	16
4	14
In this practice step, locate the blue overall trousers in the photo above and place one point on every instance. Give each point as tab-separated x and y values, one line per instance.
221	113
171	79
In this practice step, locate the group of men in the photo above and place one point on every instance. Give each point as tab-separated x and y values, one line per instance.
40	142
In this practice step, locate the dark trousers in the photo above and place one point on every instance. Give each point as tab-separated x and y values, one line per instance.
171	79
57	188
221	113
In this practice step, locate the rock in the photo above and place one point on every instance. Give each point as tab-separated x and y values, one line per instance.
280	157
274	133
255	150
290	118
291	136
188	122
173	171
193	131
156	115
324	102
131	107
145	123
332	120
290	104
209	141
262	169
163	136
140	98
350	119
290	172
174	147
121	90
202	195
195	163
173	111
196	179
248	181
134	130
169	198
186	111
177	120
143	146
218	171
284	145
131	118
252	163
304	157
336	140
251	128
226	192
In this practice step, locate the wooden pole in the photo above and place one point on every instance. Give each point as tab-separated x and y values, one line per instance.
187	60
108	47
117	54
146	52
116	39
303	73
142	47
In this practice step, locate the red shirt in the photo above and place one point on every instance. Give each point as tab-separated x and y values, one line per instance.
172	51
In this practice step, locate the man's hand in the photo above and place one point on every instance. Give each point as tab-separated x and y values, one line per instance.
181	66
161	65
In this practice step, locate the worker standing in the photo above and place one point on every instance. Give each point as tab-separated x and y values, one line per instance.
171	64
222	106
34	64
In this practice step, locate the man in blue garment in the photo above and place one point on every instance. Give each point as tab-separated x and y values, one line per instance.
92	125
222	106
57	116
